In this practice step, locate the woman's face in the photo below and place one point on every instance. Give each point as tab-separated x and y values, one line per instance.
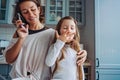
68	27
30	12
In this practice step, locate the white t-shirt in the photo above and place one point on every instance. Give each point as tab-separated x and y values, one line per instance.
32	56
67	68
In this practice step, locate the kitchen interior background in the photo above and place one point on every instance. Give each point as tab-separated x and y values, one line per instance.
100	36
86	32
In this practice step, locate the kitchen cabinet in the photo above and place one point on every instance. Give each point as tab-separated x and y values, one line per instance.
4	71
6	11
107	37
55	9
87	71
107	74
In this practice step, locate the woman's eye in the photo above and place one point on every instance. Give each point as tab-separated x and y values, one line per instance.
24	12
33	9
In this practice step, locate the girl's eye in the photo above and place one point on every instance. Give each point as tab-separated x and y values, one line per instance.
72	28
65	27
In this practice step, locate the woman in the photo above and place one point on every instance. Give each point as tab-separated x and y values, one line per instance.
30	43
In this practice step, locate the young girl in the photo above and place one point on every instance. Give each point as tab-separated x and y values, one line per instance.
62	55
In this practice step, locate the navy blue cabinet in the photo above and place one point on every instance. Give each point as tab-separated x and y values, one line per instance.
107	74
4	72
107	37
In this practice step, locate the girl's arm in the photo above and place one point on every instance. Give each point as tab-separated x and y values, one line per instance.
54	52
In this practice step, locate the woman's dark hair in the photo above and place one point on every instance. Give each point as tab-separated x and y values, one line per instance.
17	10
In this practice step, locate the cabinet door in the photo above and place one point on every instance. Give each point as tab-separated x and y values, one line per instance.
6	11
4	71
107	33
55	9
106	74
3	10
76	10
87	71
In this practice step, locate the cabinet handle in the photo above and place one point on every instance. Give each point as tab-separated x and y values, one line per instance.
97	61
97	73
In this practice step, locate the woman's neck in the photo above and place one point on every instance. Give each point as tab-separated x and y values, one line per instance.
36	26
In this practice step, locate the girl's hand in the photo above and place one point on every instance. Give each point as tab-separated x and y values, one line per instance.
81	57
66	37
22	30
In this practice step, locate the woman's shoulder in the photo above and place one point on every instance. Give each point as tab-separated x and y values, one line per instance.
49	29
46	27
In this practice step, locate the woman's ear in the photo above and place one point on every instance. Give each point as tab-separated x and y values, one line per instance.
39	10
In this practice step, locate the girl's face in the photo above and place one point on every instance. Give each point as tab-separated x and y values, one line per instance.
30	11
68	27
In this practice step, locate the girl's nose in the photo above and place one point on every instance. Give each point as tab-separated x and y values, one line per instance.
69	29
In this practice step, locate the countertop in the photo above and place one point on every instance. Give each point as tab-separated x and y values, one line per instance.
87	63
2	60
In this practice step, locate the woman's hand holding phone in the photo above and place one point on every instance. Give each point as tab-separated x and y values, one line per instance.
20	24
20	21
22	28
22	31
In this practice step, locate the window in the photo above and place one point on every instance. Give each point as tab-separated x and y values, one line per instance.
55	9
76	10
6	11
3	9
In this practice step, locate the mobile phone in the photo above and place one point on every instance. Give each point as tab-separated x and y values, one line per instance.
19	17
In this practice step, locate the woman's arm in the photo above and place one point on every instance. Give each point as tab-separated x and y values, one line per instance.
12	53
81	57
